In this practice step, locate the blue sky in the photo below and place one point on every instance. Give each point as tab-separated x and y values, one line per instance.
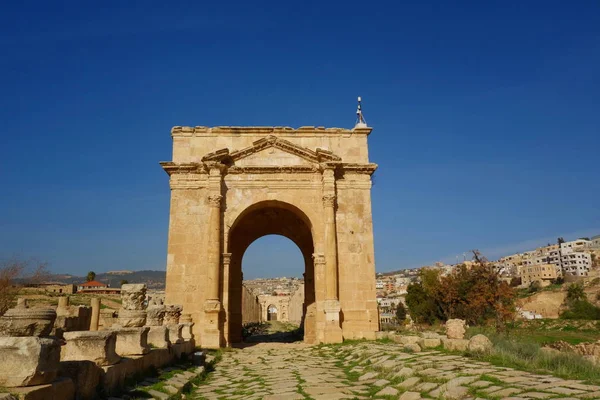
485	114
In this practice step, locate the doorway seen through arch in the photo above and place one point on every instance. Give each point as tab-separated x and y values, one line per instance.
272	271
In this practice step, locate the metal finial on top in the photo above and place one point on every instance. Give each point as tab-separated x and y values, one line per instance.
360	120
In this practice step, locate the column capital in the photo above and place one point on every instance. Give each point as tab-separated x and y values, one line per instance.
329	200
214	200
318	258
215	168
226	258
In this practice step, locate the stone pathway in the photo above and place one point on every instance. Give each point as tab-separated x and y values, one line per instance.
365	370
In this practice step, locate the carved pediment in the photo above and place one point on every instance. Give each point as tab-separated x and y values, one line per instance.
272	151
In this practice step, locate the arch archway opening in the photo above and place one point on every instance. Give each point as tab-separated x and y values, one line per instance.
263	219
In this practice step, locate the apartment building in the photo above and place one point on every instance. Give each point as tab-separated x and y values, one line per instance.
542	273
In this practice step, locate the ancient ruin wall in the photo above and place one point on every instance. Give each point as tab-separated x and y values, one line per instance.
296	307
250	306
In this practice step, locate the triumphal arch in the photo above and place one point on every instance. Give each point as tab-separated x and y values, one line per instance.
233	185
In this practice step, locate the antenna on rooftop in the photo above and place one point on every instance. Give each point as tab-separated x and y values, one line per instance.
360	120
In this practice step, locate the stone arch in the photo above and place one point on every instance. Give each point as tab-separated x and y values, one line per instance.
257	220
318	178
272	312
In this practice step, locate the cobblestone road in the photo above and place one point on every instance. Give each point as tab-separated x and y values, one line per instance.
364	370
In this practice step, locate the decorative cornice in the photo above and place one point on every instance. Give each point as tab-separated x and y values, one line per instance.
188	181
274	169
172	168
184	168
353	168
317	156
187	131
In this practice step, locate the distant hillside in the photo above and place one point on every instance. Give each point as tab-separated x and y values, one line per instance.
152	279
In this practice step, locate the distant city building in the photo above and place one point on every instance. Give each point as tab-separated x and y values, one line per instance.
542	273
54	287
97	287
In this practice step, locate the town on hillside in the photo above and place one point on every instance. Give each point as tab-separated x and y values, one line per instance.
566	261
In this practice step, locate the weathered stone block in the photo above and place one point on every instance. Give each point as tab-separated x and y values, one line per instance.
27	361
455	329
155	316
172	314
96	346
426	343
131	318
412	347
133	296
186	330
60	389
455	344
406	339
86	376
21	321
175	333
479	343
132	341
158	337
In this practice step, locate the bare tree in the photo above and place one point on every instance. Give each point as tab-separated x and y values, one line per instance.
13	271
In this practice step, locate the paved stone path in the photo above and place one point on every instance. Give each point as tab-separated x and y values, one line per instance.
364	370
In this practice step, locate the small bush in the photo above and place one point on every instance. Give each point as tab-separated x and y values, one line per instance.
581	309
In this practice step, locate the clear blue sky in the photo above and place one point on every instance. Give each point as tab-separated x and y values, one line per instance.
486	118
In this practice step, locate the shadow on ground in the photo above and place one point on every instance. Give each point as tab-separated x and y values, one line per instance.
271	332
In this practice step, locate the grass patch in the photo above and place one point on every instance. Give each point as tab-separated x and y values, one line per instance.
542	335
515	351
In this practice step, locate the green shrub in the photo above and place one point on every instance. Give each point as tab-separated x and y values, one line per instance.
581	309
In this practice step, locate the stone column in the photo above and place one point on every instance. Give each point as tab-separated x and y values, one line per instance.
331	288
226	266
95	313
63	302
212	305
214	246
331	306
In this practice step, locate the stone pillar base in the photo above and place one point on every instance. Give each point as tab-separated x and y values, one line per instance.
211	339
96	346
132	341
27	361
186	331
158	337
175	333
333	331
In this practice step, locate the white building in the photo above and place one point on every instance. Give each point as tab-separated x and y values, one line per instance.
576	263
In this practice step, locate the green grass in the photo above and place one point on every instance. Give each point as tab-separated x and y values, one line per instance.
542	335
524	354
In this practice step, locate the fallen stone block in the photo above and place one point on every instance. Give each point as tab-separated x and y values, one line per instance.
455	328
28	361
62	388
455	344
132	341
412	347
158	337
96	346
427	343
479	344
